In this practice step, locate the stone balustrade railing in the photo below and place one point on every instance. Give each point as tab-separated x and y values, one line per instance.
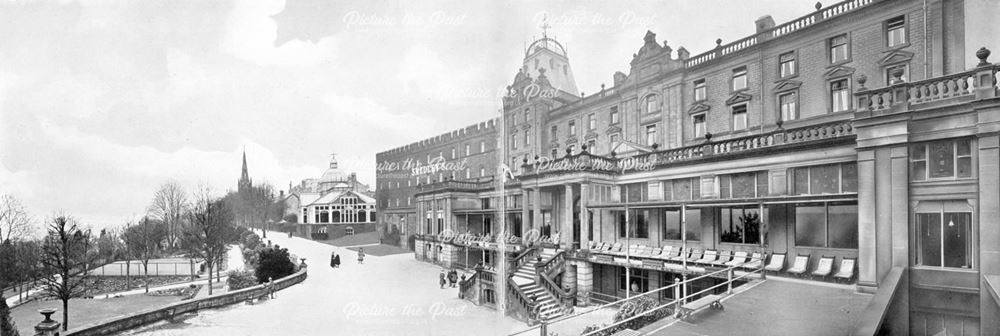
592	163
978	83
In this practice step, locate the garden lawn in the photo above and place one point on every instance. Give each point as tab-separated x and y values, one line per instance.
86	311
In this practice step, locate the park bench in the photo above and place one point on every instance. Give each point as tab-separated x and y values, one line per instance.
706	301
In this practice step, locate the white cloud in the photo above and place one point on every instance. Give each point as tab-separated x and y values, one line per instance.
251	33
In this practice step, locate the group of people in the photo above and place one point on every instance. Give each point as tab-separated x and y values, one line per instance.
335	258
449	279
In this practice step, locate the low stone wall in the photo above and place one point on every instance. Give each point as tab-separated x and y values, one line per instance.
130	321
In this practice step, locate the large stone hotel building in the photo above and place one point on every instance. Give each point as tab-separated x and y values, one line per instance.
862	138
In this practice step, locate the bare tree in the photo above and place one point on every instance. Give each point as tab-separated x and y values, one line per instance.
65	258
169	205
143	242
208	231
14	220
28	257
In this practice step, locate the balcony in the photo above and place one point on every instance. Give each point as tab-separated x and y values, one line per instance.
976	84
752	144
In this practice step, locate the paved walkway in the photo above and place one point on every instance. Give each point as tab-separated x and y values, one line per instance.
391	295
776	307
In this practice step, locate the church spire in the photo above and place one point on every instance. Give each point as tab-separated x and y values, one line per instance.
245	182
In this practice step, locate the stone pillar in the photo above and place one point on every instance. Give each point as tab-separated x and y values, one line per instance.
989	227
867	280
584	282
47	327
434	217
584	217
536	209
566	229
900	190
525	213
569	282
449	220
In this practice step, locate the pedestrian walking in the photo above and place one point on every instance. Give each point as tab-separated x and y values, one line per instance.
452	278
270	287
333	259
336	261
442	281
361	255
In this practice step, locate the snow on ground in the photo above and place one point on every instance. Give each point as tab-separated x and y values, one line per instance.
392	295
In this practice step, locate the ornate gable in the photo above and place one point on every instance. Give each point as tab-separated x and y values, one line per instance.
613	129
738	97
590	135
787	85
698	108
895	56
572	140
838	71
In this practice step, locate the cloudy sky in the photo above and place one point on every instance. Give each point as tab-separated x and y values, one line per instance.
102	101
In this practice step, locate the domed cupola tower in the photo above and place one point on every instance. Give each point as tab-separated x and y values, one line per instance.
547	53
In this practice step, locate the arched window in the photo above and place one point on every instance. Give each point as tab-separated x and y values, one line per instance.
371	215
652	104
324	217
362	216
335	217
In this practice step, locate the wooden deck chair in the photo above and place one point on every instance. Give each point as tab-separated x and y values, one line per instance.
695	255
681	254
709	257
754	262
654	253
777	262
824	267
665	253
846	270
800	265
615	249
724	257
642	251
739	258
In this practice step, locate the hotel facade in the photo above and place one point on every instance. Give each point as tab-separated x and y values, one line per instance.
863	135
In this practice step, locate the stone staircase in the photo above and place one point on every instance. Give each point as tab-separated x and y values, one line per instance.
524	277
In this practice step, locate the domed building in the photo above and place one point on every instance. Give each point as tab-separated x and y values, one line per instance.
334	205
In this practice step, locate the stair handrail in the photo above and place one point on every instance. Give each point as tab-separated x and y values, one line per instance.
521	259
545	270
553	265
564	297
519	301
466	285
